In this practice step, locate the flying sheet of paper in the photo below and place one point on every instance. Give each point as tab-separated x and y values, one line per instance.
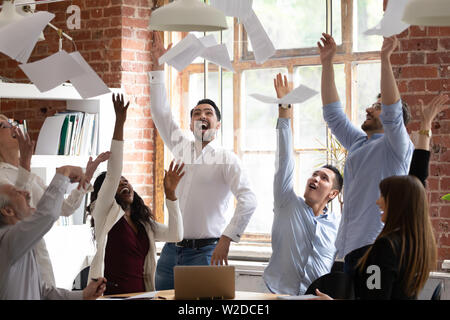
18	39
391	23
298	95
262	45
88	84
234	8
184	52
52	71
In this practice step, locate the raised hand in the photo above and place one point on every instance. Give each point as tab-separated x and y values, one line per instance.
327	48
91	166
281	86
171	179
120	108
75	174
158	50
389	45
429	112
26	148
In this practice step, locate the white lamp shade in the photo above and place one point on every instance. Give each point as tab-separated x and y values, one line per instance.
9	13
187	15
427	13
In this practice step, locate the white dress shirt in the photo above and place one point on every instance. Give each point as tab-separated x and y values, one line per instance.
20	277
26	180
210	179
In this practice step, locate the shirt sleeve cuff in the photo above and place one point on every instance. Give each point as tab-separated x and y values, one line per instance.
283	123
232	234
156	76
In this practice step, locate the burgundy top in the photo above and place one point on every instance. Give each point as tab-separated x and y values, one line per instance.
124	258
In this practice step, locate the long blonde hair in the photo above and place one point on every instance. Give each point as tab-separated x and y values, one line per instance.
407	215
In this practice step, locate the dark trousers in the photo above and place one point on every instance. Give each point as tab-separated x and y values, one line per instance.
352	258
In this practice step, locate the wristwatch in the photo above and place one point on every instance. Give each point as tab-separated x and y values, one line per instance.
284	106
426	133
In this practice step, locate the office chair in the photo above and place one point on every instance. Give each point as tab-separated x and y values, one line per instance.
437	291
337	285
81	280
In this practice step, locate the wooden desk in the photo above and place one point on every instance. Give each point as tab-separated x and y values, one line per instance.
240	295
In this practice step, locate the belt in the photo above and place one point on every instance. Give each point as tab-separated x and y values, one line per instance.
196	243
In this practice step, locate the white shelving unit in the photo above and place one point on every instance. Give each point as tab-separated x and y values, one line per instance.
69	245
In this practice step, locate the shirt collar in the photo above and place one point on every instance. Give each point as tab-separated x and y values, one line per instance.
5	165
376	136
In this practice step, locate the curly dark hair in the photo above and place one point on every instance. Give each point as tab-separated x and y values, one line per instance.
141	214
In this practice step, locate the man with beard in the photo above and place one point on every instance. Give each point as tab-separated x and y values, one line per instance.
212	174
382	149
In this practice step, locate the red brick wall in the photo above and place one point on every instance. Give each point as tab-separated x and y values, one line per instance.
422	67
114	40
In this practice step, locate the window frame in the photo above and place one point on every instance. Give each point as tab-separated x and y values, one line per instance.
244	60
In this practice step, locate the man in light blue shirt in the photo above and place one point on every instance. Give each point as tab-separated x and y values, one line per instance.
381	149
303	232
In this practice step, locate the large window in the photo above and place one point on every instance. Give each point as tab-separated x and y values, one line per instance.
248	126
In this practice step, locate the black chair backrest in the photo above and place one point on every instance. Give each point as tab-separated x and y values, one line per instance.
338	285
82	278
437	291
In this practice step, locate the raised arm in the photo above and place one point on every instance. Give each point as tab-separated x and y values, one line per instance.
160	109
327	50
421	155
173	231
388	85
106	195
283	182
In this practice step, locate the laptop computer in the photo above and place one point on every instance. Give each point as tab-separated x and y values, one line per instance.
204	282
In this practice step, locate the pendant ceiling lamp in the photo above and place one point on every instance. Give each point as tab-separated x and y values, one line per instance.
427	13
186	16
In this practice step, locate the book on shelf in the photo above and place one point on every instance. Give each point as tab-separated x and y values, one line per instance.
78	134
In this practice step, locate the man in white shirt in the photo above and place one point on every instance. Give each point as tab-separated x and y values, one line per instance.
21	227
212	174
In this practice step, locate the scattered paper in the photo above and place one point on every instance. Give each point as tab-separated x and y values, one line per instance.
18	39
298	95
301	297
88	84
262	45
146	295
191	47
391	23
234	8
52	71
48	139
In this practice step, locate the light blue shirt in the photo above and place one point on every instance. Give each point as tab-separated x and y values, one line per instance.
302	244
368	162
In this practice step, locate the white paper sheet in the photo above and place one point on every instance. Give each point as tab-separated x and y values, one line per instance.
234	8
183	53
262	45
48	139
146	295
298	95
52	71
391	23
18	39
88	84
191	47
